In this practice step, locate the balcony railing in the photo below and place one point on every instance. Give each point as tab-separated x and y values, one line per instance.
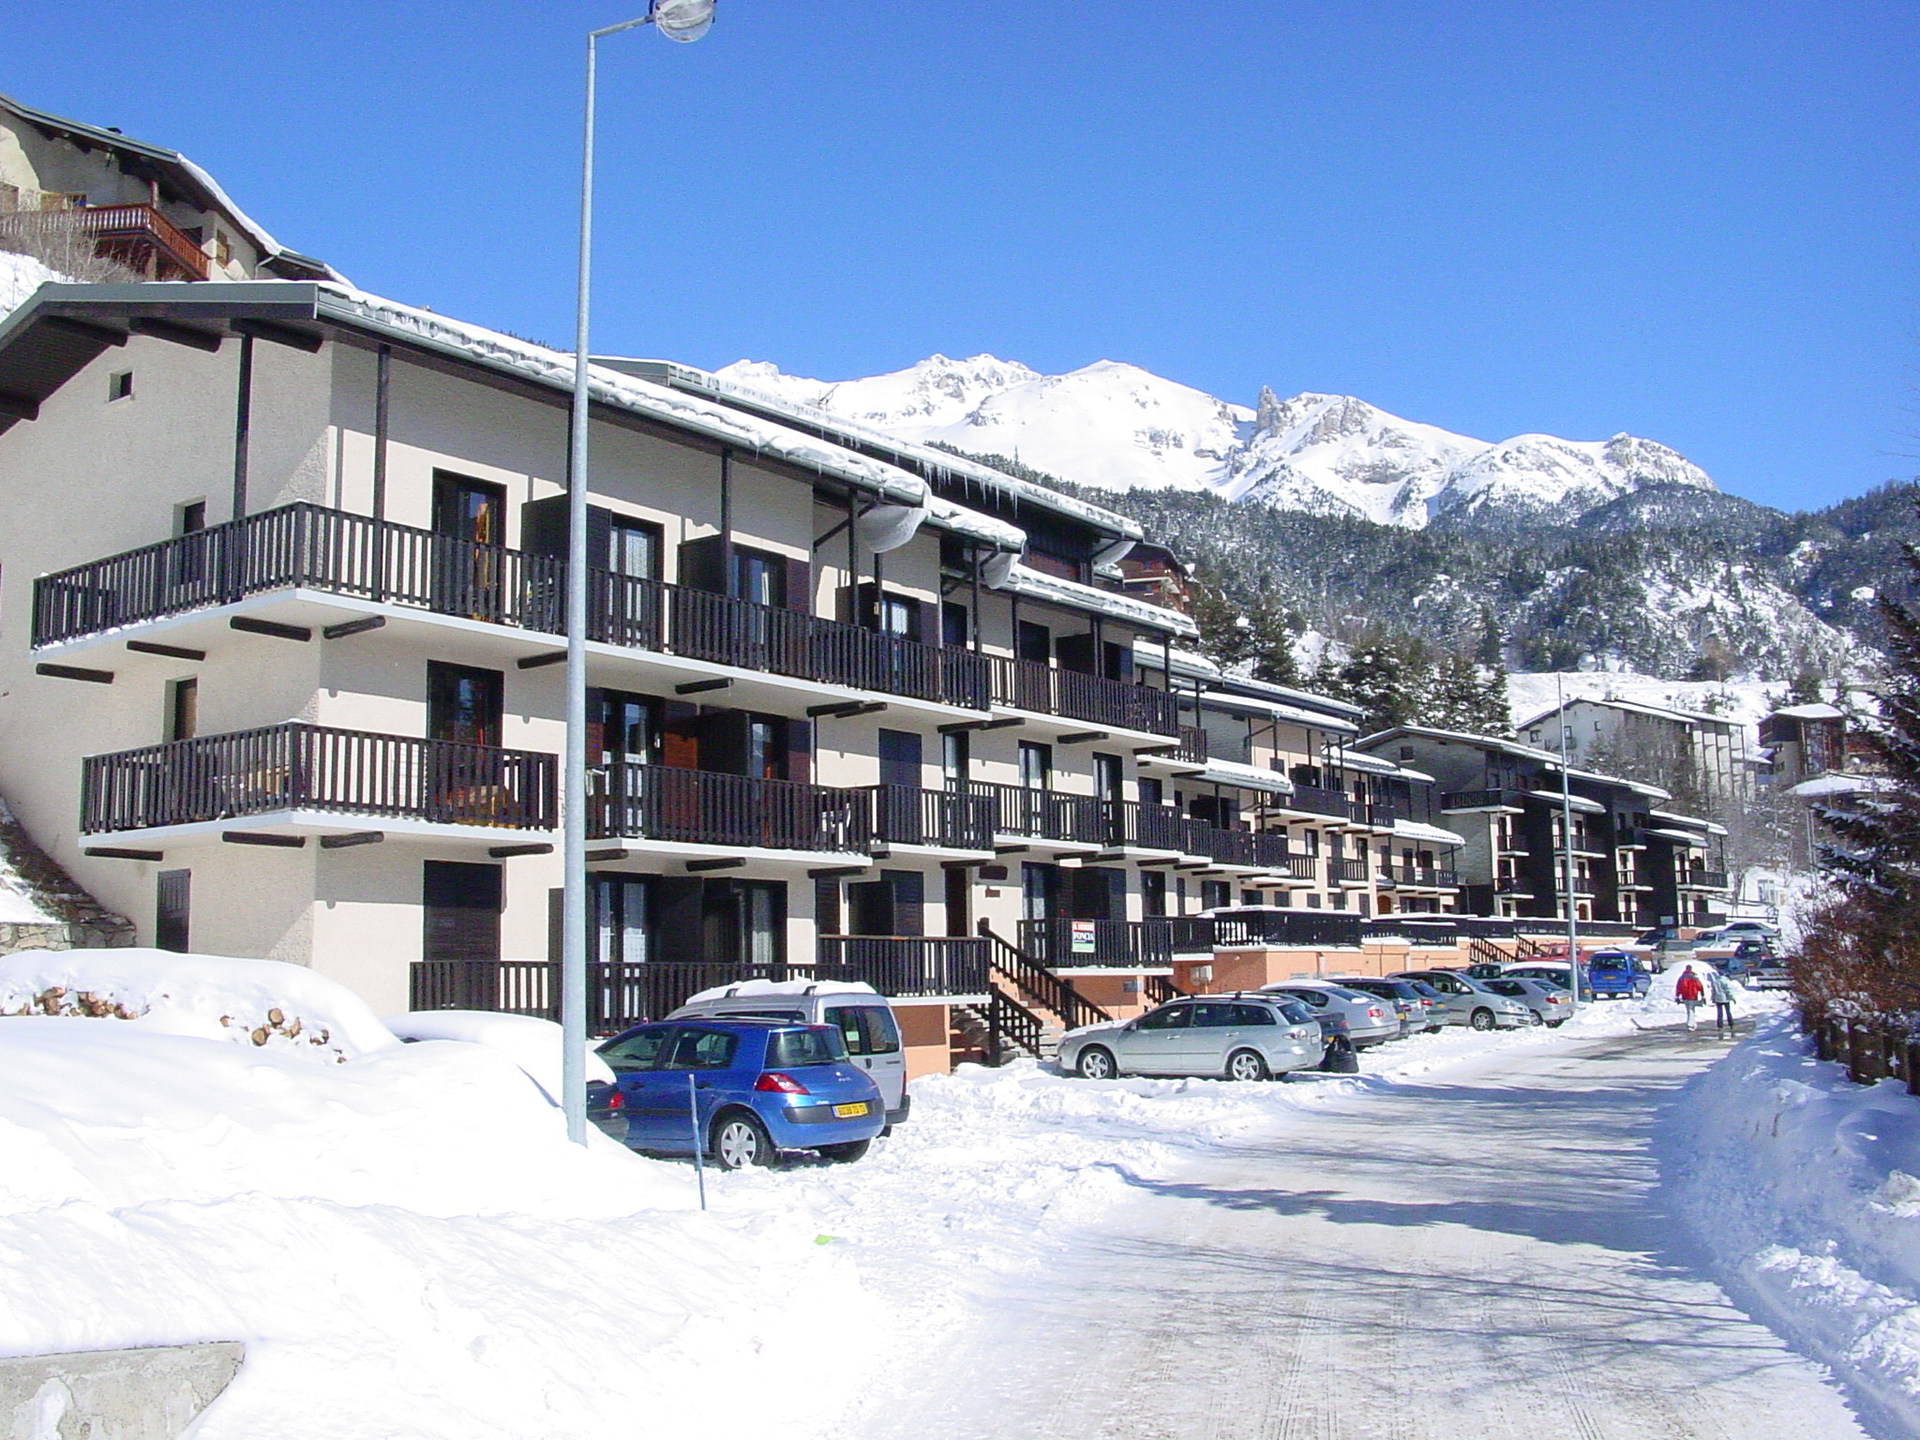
1122	944
1294	867
1036	814
1348	872
700	807
1193	746
948	819
1029	685
907	965
1319	800
1703	879
127	232
1480	800
1420	877
312	767
301	546
1513	885
1286	928
701	625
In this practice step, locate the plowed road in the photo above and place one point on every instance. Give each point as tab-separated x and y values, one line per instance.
1472	1258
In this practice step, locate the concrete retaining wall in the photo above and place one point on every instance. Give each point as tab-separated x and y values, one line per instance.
149	1394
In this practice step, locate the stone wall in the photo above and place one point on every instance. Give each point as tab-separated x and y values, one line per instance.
106	932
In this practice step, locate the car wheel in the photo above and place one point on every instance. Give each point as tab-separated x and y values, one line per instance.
1533	1018
1096	1063
848	1153
1481	1020
1246	1065
1555	1024
740	1141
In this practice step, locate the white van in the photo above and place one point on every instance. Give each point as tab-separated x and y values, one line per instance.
858	1012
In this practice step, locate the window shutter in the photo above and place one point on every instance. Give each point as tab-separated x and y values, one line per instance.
799	577
826	907
800	750
701	566
909	901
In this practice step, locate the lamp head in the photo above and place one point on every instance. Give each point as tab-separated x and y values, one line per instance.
681	20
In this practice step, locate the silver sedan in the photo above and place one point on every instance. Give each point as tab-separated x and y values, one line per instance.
1370	1019
1550	1003
1468	1002
1240	1037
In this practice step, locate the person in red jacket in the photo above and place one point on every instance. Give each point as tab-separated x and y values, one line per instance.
1690	992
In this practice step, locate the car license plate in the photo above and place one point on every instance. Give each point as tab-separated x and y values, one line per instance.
847	1112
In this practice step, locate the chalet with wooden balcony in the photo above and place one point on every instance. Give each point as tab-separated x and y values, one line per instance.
69	191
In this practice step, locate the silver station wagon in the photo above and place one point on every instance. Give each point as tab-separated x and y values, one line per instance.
1238	1037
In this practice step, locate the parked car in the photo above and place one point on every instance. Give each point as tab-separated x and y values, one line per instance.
1468	1002
864	1019
1238	1037
1616	975
1553	972
1737	930
747	1088
1550	1003
1415	1011
1747	956
1431	1000
1369	1020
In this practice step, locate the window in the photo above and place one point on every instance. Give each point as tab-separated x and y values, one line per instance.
702	1050
1213	1016
956	753
867	1029
1253	1015
790	1049
1215	894
222	248
1174	1017
1036	765
119	386
638	1051
1153	893
954	626
183	709
633	548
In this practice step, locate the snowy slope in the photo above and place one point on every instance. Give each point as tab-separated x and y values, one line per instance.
20	276
1119	427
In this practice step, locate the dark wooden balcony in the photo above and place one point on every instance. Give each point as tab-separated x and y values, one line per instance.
1702	879
1294	866
301	546
941	819
907	966
1193	746
1319	800
1514	885
1035	814
702	625
700	807
1119	944
1348	872
1419	877
138	236
1499	799
312	767
1282	928
1049	690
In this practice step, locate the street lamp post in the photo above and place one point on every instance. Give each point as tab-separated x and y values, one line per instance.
1566	826
682	20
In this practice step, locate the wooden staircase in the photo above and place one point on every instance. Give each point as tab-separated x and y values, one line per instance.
1028	1009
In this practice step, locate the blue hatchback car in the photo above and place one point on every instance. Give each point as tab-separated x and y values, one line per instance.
749	1088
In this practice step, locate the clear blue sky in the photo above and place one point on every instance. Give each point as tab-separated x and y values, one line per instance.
1692	221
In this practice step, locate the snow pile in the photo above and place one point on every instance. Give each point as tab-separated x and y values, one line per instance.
248	1002
535	1045
20	276
405	1240
1802	1186
748	989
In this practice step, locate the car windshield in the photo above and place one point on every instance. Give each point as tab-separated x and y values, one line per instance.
1505	987
816	1045
1295	1012
1422	989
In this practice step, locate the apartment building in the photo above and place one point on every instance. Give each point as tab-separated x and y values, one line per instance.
68	187
279	614
1523	819
1688	752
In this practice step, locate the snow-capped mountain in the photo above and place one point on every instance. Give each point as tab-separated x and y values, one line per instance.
1118	427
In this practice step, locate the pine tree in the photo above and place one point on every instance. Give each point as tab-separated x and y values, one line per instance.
1493	712
1225	637
1272	627
1863	947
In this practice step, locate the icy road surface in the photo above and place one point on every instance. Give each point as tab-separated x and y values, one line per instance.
1477	1256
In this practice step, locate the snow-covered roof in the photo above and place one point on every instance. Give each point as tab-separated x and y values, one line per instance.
1679	837
1367	764
1024	581
1247	777
1811	712
1691	822
104	139
1840	784
692	379
1273	709
1555	799
1432	834
1546	758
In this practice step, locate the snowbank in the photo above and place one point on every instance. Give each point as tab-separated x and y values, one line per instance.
250	1002
535	1045
1802	1187
20	276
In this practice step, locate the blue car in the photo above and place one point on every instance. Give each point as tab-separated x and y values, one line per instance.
757	1087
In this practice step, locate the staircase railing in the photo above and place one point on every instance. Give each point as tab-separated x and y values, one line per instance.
1160	989
1485	952
1009	1020
1039	983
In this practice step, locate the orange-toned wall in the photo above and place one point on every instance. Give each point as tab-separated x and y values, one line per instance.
923	1034
1110	993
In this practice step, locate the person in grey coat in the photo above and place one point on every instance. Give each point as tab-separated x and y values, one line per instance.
1720	991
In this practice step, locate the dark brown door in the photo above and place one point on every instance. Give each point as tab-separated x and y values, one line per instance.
469	561
460	906
469	776
171	910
